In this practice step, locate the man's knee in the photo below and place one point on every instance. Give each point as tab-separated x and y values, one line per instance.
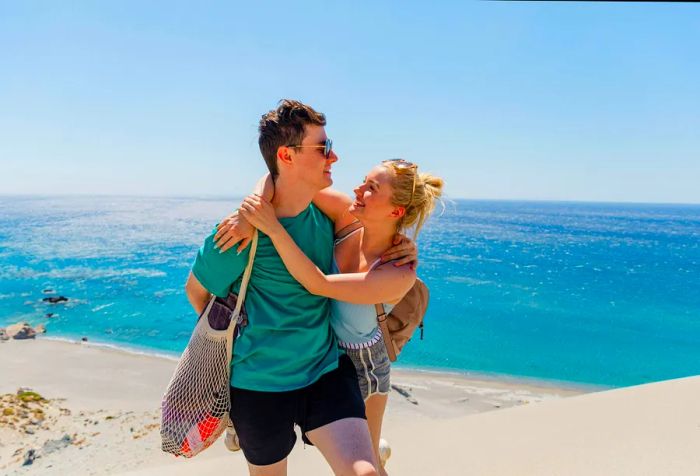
276	469
364	468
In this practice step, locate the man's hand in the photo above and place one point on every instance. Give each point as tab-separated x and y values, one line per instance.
233	229
404	251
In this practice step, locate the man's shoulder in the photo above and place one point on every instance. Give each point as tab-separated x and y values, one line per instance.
217	271
311	217
313	209
322	225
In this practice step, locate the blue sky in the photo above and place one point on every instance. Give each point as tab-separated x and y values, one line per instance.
505	100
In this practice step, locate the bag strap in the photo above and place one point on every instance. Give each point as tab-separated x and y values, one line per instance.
233	324
244	282
382	321
384	326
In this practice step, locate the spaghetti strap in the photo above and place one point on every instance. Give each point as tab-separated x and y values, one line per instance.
346	231
375	264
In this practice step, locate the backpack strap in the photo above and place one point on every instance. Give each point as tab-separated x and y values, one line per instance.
383	323
384	326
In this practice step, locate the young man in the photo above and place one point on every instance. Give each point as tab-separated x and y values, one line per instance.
286	366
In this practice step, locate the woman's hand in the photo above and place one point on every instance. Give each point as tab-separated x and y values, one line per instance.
233	229
260	213
404	251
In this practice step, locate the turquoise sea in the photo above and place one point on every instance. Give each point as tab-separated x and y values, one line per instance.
604	294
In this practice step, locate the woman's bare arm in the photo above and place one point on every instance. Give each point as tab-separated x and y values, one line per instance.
386	283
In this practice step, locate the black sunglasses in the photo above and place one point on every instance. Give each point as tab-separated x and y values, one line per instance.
327	147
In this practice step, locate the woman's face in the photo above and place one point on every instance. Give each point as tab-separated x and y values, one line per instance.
373	196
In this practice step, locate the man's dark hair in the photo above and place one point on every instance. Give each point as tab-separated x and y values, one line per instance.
285	126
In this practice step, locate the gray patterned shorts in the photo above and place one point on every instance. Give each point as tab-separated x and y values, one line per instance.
373	368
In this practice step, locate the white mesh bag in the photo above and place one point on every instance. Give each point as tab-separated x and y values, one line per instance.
196	404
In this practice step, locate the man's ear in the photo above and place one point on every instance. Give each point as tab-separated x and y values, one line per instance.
284	154
398	212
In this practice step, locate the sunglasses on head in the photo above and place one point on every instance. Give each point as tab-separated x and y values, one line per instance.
405	165
327	147
401	164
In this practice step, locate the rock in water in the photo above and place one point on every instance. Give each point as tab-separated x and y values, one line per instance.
55	299
21	330
25	333
40	329
50	314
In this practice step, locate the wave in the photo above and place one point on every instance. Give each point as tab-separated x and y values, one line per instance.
80	272
468	280
102	306
114	347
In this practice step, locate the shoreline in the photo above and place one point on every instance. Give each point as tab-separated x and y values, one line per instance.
486	377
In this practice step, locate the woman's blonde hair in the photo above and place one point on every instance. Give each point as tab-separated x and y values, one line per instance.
416	192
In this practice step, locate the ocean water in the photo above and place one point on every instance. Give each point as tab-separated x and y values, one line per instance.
603	294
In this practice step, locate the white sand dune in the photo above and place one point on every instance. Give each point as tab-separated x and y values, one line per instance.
649	429
437	424
645	430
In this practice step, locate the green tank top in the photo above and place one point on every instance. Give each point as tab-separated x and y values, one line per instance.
288	343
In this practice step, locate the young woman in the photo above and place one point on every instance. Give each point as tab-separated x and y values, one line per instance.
394	197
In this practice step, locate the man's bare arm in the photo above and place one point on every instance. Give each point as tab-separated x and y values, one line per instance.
197	294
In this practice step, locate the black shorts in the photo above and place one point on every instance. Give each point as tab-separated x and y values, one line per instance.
264	421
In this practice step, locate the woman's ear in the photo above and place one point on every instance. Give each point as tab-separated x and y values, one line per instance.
398	212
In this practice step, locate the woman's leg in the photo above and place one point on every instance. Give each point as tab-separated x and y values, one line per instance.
374	408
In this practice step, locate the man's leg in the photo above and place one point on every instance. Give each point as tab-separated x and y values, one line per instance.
264	423
347	446
276	469
334	421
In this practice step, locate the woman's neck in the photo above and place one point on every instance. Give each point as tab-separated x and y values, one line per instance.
376	239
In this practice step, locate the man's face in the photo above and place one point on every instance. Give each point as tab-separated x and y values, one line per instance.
312	166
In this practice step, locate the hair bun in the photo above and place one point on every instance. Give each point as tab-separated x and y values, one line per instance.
418	192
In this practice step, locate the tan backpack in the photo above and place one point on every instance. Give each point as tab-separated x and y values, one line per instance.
399	325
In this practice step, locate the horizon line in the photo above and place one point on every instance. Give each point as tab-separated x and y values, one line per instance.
224	197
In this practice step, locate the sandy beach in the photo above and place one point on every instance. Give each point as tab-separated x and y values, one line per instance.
100	416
